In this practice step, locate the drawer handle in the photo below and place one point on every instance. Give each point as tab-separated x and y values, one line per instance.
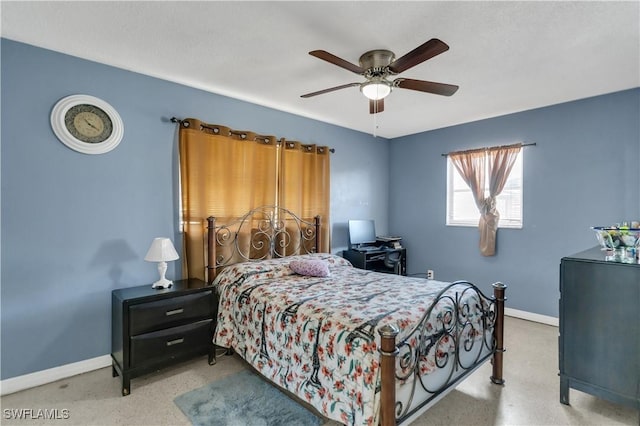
174	312
175	342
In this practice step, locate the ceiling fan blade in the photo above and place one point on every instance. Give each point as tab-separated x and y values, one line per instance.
331	89
418	55
376	106
326	56
426	86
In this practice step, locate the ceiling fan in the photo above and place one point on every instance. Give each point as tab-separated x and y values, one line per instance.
377	65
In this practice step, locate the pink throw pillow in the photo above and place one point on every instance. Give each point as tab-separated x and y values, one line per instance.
312	268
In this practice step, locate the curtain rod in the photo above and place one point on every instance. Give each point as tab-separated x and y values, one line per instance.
486	148
177	120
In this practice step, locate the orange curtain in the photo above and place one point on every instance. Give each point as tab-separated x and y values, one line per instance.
472	168
304	184
225	173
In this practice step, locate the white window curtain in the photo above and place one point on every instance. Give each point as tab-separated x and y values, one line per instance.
471	166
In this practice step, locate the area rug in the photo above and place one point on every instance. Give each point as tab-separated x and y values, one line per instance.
243	399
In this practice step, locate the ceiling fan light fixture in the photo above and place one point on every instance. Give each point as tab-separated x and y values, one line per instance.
375	90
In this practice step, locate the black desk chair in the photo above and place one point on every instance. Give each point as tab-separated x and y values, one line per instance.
392	261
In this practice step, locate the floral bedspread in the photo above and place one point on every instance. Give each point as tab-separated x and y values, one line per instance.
317	336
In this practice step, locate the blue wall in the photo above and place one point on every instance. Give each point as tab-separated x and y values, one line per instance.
583	172
76	226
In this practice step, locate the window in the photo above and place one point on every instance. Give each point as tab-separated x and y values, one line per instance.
461	207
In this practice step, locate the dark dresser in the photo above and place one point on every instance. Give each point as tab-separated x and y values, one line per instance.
153	328
599	342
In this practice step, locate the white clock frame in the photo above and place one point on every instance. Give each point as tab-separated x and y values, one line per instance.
57	124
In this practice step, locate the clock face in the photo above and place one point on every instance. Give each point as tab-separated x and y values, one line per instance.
88	123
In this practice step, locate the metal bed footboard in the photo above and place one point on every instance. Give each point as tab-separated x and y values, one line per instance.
455	336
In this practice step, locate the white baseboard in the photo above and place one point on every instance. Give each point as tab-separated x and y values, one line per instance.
16	384
31	380
530	316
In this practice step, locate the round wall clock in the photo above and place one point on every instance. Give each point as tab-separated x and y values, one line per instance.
87	124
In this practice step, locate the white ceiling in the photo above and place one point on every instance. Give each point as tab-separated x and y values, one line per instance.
505	56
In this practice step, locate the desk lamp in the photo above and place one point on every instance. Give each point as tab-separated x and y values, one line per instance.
161	251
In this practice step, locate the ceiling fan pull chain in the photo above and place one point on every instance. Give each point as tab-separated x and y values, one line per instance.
375	122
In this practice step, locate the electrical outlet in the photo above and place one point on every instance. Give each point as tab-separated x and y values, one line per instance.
430	274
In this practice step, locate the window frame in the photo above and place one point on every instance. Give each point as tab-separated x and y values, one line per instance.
508	223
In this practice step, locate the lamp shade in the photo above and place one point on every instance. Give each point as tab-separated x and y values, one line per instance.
161	250
375	90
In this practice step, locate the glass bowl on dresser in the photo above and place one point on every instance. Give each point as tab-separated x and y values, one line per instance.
622	243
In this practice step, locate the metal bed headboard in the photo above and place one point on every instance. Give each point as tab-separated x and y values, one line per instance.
265	232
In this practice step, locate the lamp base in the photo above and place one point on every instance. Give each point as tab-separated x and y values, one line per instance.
162	283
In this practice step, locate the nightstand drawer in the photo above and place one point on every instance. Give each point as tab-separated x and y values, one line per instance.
170	342
147	317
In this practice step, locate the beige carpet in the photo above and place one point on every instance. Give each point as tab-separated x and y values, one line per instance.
529	397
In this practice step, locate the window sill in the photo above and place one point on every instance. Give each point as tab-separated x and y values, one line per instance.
470	225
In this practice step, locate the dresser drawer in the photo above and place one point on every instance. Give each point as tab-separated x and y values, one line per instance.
170	342
147	317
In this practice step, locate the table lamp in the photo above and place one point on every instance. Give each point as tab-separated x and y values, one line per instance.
161	251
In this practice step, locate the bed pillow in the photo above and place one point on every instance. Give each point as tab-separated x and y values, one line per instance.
312	268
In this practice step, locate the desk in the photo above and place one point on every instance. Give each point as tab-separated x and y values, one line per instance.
374	260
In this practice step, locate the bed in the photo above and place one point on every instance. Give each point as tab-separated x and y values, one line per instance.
361	347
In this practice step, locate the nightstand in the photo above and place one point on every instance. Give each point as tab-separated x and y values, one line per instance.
153	328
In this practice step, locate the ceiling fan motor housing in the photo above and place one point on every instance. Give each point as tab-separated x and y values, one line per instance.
376	62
